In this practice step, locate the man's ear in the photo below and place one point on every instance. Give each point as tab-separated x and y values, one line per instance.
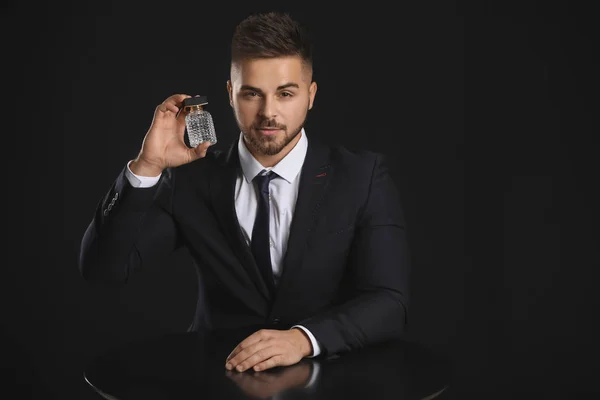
229	90
312	91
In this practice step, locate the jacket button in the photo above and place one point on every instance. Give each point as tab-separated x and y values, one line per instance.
275	320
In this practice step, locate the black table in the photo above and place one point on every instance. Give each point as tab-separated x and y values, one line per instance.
192	366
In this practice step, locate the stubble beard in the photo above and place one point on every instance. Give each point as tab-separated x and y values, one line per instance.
270	145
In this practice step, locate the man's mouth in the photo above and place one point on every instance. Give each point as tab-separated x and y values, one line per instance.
269	131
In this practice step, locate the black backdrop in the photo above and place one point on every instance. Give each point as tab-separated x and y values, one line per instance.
487	121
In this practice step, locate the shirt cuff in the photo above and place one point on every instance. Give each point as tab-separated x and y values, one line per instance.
315	345
139	181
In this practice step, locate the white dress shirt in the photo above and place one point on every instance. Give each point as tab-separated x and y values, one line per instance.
283	194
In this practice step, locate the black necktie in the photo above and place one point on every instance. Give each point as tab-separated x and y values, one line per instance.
260	243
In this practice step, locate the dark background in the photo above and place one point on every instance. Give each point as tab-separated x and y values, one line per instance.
488	123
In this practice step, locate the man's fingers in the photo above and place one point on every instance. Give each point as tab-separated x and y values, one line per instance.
177	99
201	149
173	103
198	152
249	341
274	361
258	357
171	107
244	355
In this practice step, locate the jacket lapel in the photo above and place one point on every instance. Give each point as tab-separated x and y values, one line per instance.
315	175
222	191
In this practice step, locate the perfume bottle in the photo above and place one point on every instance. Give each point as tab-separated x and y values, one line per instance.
198	121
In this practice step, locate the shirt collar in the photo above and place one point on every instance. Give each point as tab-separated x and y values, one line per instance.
288	168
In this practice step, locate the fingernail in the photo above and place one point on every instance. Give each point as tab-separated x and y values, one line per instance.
228	366
239	368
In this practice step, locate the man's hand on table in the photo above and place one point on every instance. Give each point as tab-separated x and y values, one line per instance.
269	348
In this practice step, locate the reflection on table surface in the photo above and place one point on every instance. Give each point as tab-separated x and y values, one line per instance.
191	365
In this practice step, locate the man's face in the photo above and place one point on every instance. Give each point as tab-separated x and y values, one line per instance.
273	93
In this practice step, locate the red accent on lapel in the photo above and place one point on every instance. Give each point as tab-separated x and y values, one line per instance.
321	175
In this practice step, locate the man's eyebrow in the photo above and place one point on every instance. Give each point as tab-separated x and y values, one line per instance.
287	85
255	89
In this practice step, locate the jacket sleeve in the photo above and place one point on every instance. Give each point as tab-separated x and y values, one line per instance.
131	227
379	267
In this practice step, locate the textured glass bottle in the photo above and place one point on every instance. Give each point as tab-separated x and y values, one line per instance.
198	121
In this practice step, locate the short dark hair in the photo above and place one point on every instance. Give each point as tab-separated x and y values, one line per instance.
270	35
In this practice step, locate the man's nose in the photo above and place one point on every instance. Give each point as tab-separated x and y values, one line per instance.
269	109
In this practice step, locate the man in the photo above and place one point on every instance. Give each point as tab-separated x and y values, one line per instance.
303	239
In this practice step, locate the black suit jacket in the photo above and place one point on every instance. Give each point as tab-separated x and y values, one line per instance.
346	269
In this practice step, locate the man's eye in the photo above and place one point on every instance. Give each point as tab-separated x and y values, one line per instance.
286	94
250	94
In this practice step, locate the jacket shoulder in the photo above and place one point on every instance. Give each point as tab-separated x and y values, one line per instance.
354	158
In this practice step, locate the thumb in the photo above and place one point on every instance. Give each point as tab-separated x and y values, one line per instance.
200	150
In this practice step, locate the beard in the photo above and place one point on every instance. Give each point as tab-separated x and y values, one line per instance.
269	145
